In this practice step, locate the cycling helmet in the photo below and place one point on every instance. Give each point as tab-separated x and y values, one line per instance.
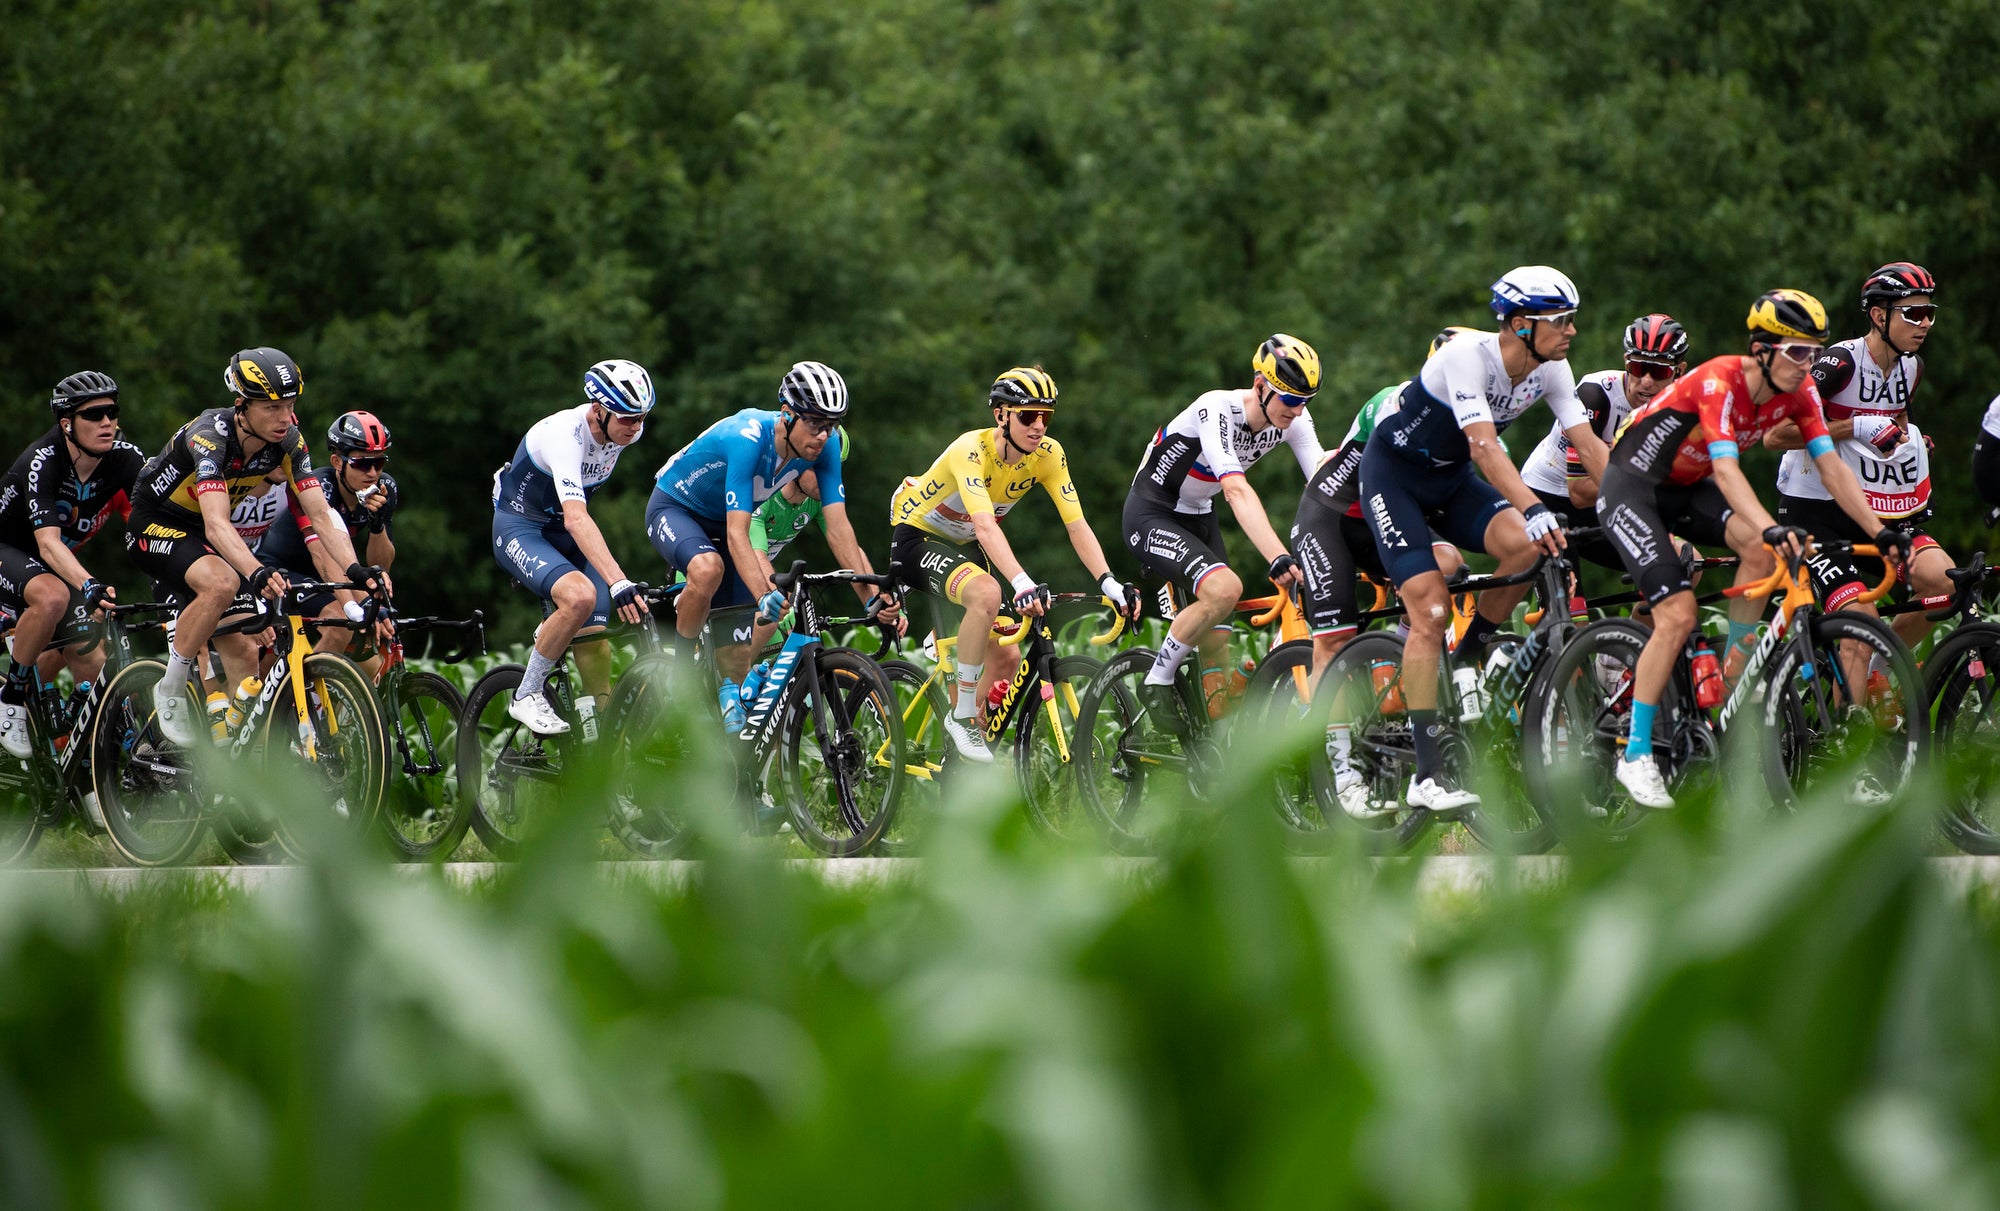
1778	314
1656	338
1534	288
1289	364
357	433
620	386
1445	338
1895	282
263	373
814	389
1023	387
79	389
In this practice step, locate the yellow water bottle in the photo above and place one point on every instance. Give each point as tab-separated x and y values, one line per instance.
239	707
218	715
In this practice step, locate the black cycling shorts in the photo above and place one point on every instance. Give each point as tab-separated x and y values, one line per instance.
1642	517
1986	467
1406	503
1840	578
17	568
1181	549
1332	549
164	548
1596	550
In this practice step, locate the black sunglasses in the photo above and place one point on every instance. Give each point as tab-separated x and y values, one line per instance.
106	412
368	464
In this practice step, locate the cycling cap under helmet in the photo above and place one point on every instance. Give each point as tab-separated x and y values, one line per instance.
620	386
79	389
1023	387
1289	364
1778	314
263	373
1656	338
1533	288
814	389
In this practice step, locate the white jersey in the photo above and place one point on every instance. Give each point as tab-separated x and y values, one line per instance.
1853	387
1210	440
1552	463
254	514
557	461
1466	383
1991	422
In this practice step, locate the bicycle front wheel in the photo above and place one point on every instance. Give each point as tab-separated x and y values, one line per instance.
1962	685
1137	771
153	806
840	787
511	777
922	704
423	813
1045	753
1367	752
1828	730
330	765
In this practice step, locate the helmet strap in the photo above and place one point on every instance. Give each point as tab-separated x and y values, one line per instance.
1764	353
1527	334
1888	317
1007	437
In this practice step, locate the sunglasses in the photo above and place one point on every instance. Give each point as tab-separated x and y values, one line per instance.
1917	313
817	424
1031	415
106	412
368	464
1802	354
1655	370
1557	319
1291	401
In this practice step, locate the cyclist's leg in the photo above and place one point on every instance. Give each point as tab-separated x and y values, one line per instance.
40	598
537	556
690	547
1925	574
1323	543
1631	511
1476	517
1183	549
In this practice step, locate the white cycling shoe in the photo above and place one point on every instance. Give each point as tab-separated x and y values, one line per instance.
967	740
535	712
1439	795
1867	791
181	722
1641	779
1352	790
14	729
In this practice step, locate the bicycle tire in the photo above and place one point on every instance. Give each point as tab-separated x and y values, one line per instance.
1880	736
840	797
1962	686
1133	772
345	775
923	705
424	817
22	816
154	809
1381	750
511	777
1277	707
1048	781
649	745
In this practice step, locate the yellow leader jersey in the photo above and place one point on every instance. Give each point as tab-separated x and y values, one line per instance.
969	478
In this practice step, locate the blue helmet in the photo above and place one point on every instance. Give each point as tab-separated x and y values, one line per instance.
1533	288
621	386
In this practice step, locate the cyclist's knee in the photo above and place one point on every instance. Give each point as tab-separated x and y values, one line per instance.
47	593
573	593
704	573
211	577
1427	606
1673	618
1222	587
981	596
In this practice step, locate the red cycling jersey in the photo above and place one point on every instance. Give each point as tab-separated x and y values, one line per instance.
1709	404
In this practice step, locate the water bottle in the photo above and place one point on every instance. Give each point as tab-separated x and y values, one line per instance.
1709	690
753	683
239	708
586	716
997	694
1471	703
218	716
1388	688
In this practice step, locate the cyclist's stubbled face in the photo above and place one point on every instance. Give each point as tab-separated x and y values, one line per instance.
805	441
1551	338
623	430
269	420
1906	335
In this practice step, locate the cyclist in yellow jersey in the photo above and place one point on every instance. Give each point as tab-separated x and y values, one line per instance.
948	540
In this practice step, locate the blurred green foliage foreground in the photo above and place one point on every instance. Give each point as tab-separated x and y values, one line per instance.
1800	1013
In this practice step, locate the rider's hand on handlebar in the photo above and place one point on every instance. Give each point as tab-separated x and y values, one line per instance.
771	607
1124	596
625	602
97	595
1544	529
1284	572
268	582
1893	544
1789	541
1030	597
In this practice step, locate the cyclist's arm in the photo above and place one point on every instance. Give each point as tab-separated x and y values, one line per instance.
1787	435
1737	491
745	558
590	540
1250	516
221	533
1591	449
1846	492
1583	492
331	530
986	528
57	555
381	550
846	549
1088	550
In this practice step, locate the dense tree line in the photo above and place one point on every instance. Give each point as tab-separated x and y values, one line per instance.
446	211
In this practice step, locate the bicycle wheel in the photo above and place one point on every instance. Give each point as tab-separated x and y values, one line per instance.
1277	706
923	707
1366	718
153	806
1962	685
22	811
510	776
423	814
650	744
1135	773
1869	739
1044	757
336	769
841	796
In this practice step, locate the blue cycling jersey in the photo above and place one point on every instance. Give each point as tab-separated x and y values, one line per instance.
733	467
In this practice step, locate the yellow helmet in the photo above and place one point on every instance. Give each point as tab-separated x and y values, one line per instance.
1023	387
1444	338
1781	313
1289	364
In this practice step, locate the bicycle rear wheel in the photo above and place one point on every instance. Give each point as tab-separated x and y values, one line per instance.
651	744
840	789
334	763
1137	773
923	707
423	814
1045	754
153	806
1370	723
510	776
1868	739
22	796
1962	685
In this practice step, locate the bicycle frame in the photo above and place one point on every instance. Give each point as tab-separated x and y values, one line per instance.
1798	601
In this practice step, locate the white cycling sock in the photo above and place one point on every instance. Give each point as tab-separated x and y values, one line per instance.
968	690
1168	662
180	669
539	667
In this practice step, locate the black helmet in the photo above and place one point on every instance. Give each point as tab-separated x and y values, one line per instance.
263	373
79	389
357	433
1894	282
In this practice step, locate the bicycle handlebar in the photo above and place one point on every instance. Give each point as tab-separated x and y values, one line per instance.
1785	574
1021	627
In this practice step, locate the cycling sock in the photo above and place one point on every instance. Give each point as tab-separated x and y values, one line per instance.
1741	634
532	681
1424	733
1168	662
968	690
1640	742
1477	632
15	690
180	669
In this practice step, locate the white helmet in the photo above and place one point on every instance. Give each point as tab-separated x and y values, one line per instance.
814	389
1533	288
623	387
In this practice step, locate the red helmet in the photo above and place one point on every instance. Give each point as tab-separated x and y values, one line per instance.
357	433
1895	282
1656	338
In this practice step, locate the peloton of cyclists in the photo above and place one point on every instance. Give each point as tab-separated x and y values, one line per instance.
947	537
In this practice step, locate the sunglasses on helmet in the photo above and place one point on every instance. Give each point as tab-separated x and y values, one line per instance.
1917	313
102	412
1653	370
